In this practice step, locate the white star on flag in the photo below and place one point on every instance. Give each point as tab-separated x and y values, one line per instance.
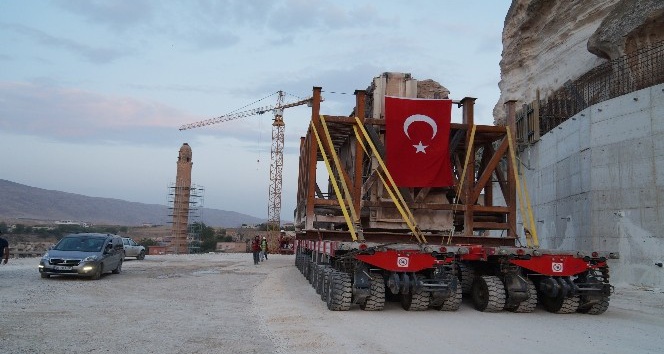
420	148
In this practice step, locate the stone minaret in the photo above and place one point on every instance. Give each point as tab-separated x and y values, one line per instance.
181	201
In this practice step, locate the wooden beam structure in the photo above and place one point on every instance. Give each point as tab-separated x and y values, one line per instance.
443	214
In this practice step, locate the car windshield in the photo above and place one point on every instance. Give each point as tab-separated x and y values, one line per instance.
81	244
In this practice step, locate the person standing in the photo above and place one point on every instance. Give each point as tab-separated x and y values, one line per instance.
255	249
4	249
264	249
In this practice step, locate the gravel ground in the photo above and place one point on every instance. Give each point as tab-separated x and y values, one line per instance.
222	303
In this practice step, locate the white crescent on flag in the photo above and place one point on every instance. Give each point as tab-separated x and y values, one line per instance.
420	118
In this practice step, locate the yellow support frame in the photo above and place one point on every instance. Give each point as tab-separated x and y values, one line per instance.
337	192
389	184
528	218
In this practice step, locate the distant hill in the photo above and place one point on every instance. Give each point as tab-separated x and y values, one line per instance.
18	201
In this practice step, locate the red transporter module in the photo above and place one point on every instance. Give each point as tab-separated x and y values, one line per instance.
373	237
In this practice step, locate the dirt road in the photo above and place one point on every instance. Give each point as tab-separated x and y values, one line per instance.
222	303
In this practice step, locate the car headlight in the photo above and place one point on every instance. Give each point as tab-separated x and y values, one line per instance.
46	257
90	259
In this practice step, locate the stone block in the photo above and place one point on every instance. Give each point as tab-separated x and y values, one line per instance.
584	168
563	184
659	172
532	156
575	184
658	143
649	219
609	199
619	128
637	173
657	108
567	138
547	185
648	197
584	129
547	145
629	104
657	117
629	199
605	154
635	149
633	215
605	224
605	177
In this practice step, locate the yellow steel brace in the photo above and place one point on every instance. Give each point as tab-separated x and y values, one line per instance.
389	184
337	164
337	192
531	235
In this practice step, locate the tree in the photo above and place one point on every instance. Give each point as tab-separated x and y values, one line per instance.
18	229
149	242
207	237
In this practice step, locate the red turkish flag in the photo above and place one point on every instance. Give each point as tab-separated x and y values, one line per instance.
417	138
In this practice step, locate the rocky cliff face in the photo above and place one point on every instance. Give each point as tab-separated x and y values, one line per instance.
546	43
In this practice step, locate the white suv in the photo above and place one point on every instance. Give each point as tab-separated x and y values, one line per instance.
133	249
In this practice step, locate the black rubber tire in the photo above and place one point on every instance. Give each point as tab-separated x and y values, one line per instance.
390	296
320	278
466	277
560	305
598	308
340	292
313	275
141	256
97	273
311	270
327	275
305	267
300	263
529	304
316	277
44	275
118	269
415	300
453	302
488	293
376	300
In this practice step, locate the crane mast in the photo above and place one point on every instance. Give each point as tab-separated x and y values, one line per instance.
276	151
276	167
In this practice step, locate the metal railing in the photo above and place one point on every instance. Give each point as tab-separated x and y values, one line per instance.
641	69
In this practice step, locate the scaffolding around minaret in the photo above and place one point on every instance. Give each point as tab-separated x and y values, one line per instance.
185	203
186	219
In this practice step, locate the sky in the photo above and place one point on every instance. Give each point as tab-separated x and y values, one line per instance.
92	93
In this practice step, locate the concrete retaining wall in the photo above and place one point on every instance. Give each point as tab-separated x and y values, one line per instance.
597	183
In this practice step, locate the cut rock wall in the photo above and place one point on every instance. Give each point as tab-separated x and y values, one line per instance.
546	43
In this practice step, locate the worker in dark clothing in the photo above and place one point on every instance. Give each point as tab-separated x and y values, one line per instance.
256	249
4	249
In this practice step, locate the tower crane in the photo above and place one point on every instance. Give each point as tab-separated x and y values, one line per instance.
276	151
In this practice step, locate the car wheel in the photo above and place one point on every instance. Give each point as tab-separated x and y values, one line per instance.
141	255
97	273
118	269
